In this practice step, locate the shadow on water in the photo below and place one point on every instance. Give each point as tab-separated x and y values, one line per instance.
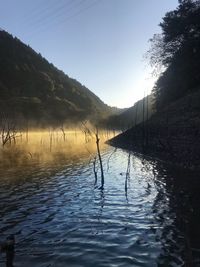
176	210
146	215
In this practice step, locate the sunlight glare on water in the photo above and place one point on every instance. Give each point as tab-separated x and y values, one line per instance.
59	217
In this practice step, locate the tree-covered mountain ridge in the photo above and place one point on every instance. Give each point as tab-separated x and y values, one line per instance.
141	111
172	133
34	89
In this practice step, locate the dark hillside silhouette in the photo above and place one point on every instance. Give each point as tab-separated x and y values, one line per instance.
172	133
177	49
131	116
34	89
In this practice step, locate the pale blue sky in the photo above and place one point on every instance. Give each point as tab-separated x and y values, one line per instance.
100	43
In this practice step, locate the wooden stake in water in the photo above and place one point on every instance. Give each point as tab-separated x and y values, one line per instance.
63	132
9	248
94	169
100	160
127	174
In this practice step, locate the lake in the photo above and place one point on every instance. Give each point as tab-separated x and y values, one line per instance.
60	218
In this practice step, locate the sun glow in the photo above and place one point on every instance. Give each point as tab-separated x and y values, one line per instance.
48	146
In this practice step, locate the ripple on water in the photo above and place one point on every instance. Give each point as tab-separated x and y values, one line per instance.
59	217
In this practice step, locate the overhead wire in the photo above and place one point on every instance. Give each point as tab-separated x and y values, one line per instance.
56	12
50	22
38	10
81	11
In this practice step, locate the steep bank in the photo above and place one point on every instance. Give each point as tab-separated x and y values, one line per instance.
172	134
131	116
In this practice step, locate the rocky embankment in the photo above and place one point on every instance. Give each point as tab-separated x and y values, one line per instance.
172	134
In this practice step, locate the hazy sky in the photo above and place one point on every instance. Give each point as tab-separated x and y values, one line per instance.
100	43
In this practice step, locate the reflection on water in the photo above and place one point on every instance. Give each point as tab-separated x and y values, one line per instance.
60	219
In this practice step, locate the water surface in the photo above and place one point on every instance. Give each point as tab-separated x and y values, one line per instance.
60	218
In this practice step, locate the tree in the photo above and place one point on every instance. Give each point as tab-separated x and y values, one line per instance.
180	28
176	52
8	132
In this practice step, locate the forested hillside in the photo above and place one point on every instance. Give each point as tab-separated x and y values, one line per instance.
33	89
172	133
141	111
176	51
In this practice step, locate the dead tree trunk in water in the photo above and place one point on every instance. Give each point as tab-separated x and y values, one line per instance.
147	123
50	140
27	129
91	133
8	130
136	109
143	124
63	132
100	160
127	174
9	248
94	169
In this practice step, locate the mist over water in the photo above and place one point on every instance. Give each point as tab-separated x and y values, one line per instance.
49	147
49	201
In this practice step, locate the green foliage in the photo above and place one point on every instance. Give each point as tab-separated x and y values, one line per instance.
177	49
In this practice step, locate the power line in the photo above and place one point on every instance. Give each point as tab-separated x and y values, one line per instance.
53	13
37	11
81	11
50	19
75	14
55	18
